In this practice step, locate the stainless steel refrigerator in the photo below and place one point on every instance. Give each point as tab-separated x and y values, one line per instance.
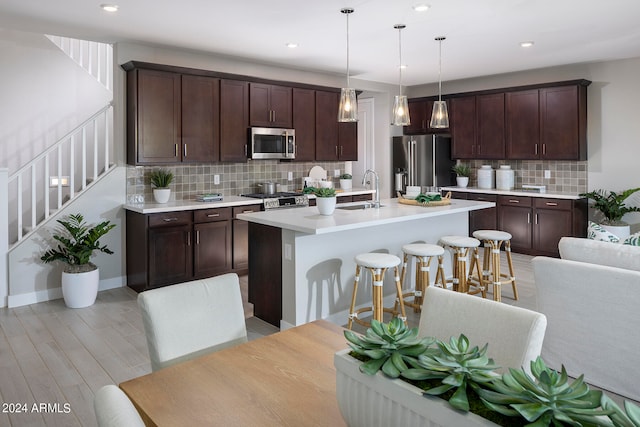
423	160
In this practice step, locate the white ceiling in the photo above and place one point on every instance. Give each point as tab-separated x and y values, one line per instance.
482	36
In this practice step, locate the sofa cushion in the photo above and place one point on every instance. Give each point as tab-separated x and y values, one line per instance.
596	232
602	253
633	240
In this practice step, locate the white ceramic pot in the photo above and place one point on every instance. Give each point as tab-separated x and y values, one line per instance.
161	195
462	181
80	289
622	231
326	205
346	184
376	400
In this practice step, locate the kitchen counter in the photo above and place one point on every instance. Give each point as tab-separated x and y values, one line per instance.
192	204
515	192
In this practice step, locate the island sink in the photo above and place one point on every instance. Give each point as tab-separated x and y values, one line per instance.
359	206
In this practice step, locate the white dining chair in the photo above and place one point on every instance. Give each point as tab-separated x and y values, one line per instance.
514	334
190	319
114	409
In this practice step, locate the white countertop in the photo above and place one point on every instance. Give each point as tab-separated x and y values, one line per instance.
189	205
308	220
516	192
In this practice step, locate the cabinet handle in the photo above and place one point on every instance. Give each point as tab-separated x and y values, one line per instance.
274	115
341	150
336	151
197	237
248	211
175	150
213	215
528	218
169	219
185	150
551	204
536	152
188	238
544	149
514	201
536	219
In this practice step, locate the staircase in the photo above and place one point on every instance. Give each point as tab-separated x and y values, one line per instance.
96	58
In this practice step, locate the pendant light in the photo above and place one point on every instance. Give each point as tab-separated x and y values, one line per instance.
348	108
439	116
400	111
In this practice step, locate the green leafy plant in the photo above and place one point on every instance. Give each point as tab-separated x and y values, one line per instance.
324	192
78	242
161	178
546	399
346	176
630	417
458	366
388	346
611	204
462	169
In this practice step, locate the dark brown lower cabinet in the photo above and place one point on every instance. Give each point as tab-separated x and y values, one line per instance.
169	255
265	274
212	249
483	219
241	239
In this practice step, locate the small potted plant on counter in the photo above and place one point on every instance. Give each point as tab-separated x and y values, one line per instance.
612	206
160	180
325	200
463	172
346	181
78	243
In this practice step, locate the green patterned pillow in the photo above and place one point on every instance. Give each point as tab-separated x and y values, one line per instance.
633	240
596	232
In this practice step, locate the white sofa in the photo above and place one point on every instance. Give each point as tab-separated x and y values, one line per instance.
591	297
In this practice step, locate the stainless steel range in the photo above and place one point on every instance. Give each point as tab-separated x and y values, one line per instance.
281	200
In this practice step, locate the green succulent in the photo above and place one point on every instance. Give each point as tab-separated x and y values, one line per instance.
346	176
611	204
546	399
388	346
630	417
161	178
457	366
325	192
462	169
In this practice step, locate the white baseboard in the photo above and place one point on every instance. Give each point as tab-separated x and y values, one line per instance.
56	293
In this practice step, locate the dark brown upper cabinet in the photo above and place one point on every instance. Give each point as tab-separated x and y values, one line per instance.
234	120
420	114
304	123
270	105
490	126
200	119
462	123
334	140
522	124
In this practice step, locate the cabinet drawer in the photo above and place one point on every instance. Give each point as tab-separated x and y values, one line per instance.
559	204
210	215
167	219
514	200
344	199
483	197
246	209
361	197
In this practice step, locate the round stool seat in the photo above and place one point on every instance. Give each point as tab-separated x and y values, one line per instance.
422	249
460	241
377	260
491	235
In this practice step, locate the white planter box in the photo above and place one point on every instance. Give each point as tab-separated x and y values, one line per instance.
370	401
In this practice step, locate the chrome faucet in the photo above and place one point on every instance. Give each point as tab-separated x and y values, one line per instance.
376	201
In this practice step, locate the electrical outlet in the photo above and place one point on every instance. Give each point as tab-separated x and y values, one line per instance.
336	172
289	176
547	174
216	179
287	251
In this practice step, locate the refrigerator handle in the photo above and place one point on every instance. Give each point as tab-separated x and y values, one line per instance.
412	178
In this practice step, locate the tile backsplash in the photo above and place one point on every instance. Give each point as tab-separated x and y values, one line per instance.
565	176
235	178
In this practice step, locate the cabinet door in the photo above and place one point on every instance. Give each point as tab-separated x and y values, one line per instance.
241	238
552	221
154	129
200	119
559	124
348	141
304	123
483	219
169	255
514	217
490	126
234	120
522	125
327	125
212	248
419	113
259	108
280	102
463	127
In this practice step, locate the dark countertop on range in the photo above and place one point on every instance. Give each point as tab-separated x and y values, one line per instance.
515	192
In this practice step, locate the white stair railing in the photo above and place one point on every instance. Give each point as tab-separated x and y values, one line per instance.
96	58
30	189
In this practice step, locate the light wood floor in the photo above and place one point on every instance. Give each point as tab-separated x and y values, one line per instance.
54	355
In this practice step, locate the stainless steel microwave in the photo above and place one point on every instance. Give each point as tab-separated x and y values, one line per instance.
272	143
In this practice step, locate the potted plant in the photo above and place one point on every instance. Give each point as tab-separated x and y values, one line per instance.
325	200
612	206
77	244
346	181
160	180
463	172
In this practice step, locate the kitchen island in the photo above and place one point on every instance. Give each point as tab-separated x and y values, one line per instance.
302	266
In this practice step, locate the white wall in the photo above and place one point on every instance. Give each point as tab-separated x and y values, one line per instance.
613	110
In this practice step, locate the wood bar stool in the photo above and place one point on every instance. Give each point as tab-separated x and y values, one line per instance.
423	253
493	241
460	246
377	264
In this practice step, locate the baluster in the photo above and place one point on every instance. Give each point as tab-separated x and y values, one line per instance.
95	150
72	167
84	157
33	196
46	186
106	140
19	207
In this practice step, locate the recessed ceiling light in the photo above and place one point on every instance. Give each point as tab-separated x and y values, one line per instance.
421	7
403	66
292	45
526	44
109	7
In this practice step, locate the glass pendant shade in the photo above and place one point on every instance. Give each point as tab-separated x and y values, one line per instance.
400	111
348	107
439	116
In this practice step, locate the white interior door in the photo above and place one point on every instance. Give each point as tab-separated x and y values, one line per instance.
366	153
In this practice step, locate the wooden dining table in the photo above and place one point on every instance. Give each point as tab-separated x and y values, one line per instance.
284	379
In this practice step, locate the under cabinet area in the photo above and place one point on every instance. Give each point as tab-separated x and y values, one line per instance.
174	247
